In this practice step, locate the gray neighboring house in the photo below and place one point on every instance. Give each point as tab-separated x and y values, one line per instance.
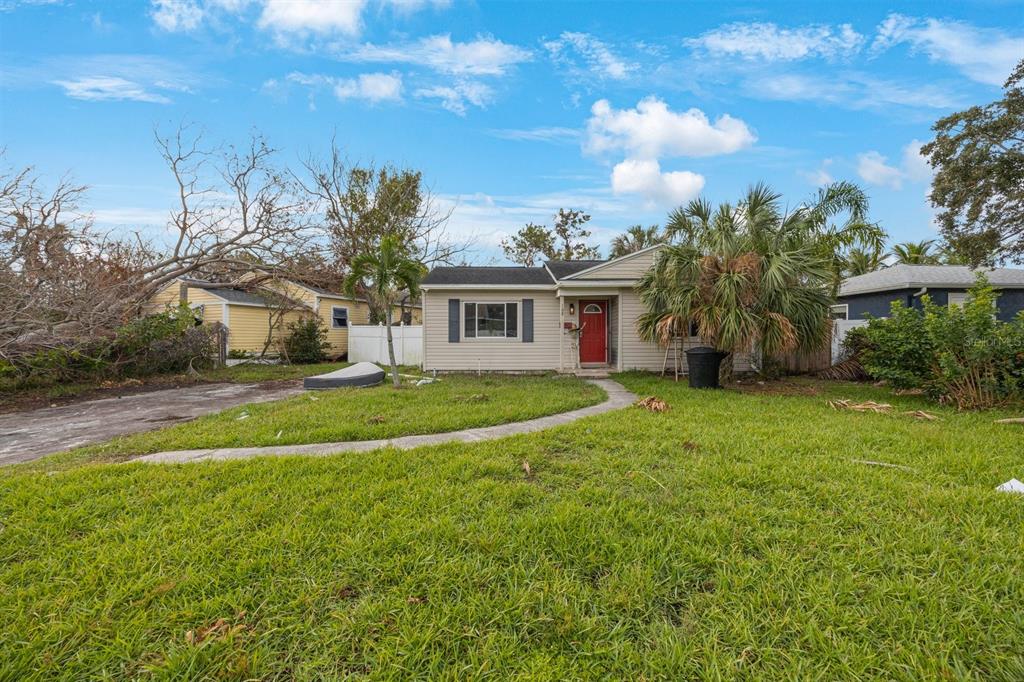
564	316
873	293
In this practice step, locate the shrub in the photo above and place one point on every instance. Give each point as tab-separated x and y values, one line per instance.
961	354
306	342
165	342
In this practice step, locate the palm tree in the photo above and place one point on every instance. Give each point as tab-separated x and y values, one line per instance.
383	276
862	261
751	273
635	238
916	253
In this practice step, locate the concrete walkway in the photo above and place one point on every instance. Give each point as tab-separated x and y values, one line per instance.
25	436
618	397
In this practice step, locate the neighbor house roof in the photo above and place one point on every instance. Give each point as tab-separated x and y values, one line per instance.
231	294
563	268
488	276
939	276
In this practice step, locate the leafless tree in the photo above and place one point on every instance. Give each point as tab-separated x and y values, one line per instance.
64	284
357	205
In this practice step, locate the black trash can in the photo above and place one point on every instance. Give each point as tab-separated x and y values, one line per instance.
702	363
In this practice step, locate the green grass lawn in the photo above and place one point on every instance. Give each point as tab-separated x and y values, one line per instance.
451	403
733	536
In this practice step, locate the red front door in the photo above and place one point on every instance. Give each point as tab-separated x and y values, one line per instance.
594	337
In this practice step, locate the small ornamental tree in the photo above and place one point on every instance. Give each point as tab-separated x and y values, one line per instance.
306	343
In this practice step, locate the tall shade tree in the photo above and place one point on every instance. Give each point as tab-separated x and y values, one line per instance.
916	253
565	241
746	275
635	238
383	275
978	157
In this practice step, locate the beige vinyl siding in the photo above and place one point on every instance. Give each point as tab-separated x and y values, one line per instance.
628	267
248	327
639	354
491	354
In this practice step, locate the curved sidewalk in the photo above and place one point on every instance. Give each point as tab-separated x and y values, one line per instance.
618	397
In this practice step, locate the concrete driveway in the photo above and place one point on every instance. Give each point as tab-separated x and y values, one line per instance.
25	436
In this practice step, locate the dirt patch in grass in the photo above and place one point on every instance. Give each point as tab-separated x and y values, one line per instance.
802	386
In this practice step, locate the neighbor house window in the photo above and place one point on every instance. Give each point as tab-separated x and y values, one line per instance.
339	317
491	320
840	311
957	298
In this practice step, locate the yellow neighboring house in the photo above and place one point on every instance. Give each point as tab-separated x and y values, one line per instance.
248	314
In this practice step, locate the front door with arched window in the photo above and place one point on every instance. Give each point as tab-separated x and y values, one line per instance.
594	332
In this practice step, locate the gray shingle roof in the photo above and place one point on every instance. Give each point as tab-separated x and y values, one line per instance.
488	275
917	276
229	294
563	268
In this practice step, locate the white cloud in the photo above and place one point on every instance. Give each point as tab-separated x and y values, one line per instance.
652	130
543	134
820	177
457	96
285	19
312	16
101	88
598	57
769	42
874	168
483	56
851	90
370	87
982	54
644	177
177	15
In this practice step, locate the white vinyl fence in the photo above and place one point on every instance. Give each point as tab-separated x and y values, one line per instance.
369	343
839	333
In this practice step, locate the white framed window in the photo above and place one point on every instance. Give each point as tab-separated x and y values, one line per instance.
497	320
840	311
592	309
339	317
956	298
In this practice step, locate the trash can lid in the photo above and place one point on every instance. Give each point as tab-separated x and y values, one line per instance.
702	350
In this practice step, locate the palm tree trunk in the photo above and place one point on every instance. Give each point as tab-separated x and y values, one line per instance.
391	352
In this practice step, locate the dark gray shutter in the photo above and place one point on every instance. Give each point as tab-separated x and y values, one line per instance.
453	320
527	323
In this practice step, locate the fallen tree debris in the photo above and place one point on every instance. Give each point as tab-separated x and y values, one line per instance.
867	406
653	404
921	414
1011	420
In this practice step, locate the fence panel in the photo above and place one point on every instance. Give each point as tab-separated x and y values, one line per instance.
369	343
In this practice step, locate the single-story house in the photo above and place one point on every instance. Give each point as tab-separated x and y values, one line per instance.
562	316
874	293
247	313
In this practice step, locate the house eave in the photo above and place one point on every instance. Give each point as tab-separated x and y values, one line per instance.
918	285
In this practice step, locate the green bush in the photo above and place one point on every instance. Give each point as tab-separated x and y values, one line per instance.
960	354
306	342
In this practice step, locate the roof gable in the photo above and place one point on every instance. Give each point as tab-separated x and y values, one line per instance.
630	266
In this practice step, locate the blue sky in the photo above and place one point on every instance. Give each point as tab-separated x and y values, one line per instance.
511	110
